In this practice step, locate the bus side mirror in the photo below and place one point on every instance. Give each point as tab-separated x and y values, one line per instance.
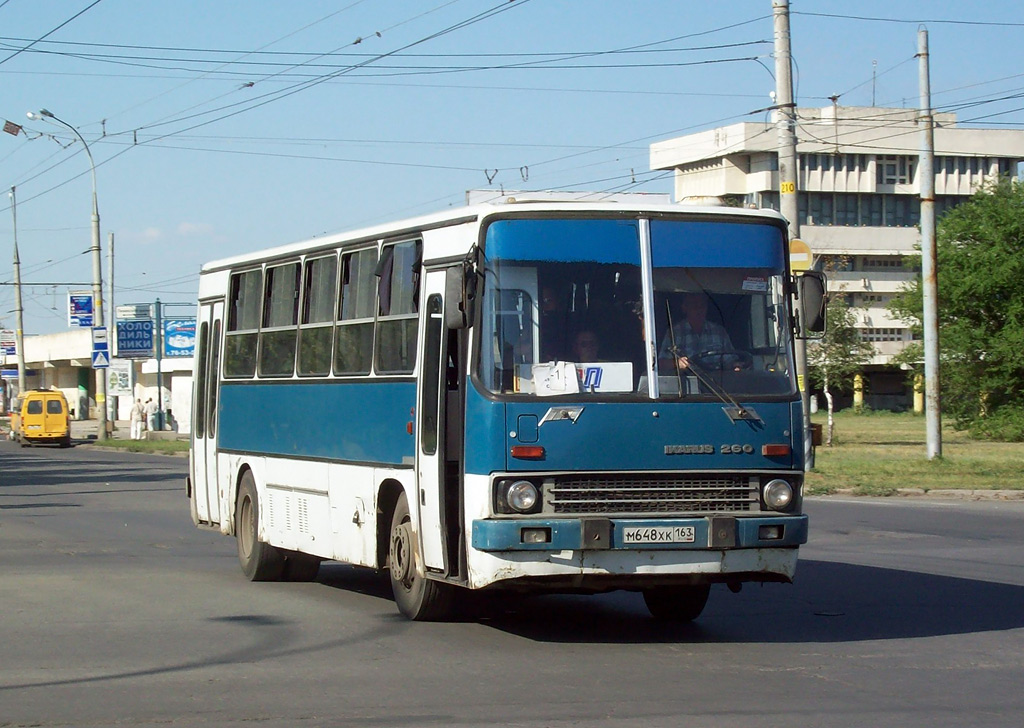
459	296
810	291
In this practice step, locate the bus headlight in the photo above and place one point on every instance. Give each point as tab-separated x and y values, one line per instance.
522	496
778	495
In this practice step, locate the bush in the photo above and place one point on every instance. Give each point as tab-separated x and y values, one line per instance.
1004	425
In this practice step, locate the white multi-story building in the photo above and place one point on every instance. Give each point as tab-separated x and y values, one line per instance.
859	207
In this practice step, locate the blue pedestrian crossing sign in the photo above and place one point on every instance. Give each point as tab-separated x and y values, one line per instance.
100	350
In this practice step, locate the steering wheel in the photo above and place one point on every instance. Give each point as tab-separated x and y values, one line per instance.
716	359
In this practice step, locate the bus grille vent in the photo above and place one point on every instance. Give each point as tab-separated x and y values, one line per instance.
303	515
653	494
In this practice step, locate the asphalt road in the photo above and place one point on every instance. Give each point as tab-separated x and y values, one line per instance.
115	610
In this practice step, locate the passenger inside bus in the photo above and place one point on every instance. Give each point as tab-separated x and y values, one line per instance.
694	334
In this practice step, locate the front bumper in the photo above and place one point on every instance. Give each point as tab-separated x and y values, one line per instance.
603	534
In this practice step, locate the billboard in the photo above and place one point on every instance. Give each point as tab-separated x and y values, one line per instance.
179	337
80	309
8	343
135	339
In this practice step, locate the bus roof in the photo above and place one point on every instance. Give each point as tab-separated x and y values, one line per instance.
477	212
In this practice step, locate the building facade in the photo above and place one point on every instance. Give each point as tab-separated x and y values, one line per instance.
859	208
64	361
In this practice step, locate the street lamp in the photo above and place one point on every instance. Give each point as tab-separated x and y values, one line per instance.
97	272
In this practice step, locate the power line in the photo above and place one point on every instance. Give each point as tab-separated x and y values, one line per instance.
917	21
37	40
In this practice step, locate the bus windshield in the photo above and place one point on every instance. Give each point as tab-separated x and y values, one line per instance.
566	312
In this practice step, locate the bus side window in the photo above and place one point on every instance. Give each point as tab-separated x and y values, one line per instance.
353	341
397	319
243	323
319	283
280	321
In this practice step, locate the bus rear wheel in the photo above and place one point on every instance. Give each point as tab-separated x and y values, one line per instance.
677	603
417	597
260	561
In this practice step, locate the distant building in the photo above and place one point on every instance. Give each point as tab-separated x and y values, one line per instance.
64	361
859	205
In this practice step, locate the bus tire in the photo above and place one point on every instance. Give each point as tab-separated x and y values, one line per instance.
260	561
677	603
417	597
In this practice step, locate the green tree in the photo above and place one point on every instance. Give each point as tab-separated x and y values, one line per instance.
980	264
835	358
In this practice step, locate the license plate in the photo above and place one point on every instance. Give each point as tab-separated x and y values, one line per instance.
658	534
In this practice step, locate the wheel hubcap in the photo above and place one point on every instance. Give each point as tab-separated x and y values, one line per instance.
401	566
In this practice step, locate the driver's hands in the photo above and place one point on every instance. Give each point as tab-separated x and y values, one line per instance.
684	363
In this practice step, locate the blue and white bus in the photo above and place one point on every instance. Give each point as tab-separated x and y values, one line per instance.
416	397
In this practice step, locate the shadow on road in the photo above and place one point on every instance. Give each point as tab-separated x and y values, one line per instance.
830	602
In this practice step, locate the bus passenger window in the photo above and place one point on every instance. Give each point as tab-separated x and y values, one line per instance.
398	294
280	319
243	323
353	344
319	284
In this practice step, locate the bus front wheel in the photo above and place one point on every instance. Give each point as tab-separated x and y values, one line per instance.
260	561
677	603
417	597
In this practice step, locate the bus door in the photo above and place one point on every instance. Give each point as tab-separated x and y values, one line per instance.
204	409
430	416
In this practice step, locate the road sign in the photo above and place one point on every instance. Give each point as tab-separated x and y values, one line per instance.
99	337
799	255
100	359
134	311
135	339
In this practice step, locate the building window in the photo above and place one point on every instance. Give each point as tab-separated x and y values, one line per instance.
894	169
858	210
881	334
886	263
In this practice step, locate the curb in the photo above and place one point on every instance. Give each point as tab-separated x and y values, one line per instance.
975	494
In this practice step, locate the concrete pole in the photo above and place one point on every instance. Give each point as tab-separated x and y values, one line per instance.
929	254
97	277
111	328
19	329
785	123
158	344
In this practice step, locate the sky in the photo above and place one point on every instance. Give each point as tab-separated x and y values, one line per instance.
220	127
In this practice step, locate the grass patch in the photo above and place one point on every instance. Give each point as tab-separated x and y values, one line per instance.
157	447
879	453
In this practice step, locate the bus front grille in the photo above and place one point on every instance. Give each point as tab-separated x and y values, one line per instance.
653	495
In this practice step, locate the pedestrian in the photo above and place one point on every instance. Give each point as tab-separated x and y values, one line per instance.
150	410
138	416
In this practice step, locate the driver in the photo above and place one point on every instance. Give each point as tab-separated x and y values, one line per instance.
694	334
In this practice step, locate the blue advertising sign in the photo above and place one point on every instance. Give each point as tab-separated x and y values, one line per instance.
80	309
179	337
135	339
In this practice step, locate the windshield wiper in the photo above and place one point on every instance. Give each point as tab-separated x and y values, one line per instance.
735	410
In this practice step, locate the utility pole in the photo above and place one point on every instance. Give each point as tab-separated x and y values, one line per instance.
111	325
785	123
929	255
19	331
